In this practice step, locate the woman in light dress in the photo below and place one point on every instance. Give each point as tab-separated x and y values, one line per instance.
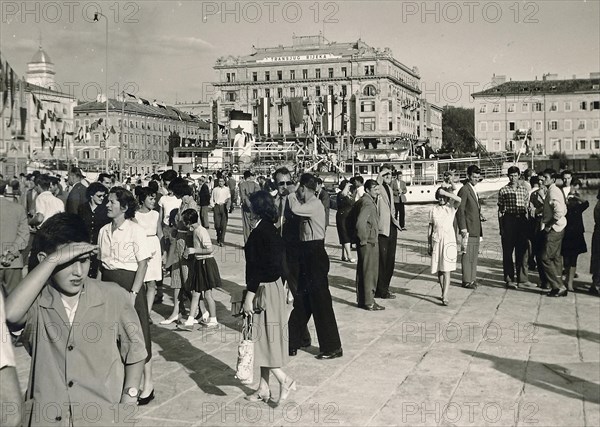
148	218
442	238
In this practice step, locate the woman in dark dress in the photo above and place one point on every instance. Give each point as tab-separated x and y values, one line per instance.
95	216
573	242
595	261
265	254
344	206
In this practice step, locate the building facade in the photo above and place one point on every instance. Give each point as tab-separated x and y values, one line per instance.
548	115
136	135
430	124
345	88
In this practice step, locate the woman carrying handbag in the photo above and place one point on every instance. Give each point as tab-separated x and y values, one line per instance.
265	254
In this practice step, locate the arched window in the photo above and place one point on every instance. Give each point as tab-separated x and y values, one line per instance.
369	90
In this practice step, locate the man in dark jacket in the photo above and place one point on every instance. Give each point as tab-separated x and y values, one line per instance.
203	201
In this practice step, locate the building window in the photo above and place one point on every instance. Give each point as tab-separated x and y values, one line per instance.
268	93
483	108
344	72
255	111
595	105
254	93
496	145
279	92
496	126
318	73
305	91
511	108
496	108
390	105
581	125
596	124
280	110
538	125
304	74
344	90
330	90
230	96
390	125
369	90
554	125
292	74
583	105
553	106
292	91
318	90
228	77
524	107
596	144
367	106
538	106
330	73
483	126
96	138
280	128
279	75
367	124
484	143
511	126
369	70
267	76
581	144
568	106
254	76
568	124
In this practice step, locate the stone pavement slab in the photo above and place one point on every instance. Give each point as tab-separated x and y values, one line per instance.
492	357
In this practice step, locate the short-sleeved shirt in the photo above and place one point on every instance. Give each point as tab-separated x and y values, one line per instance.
48	205
312	225
124	247
202	241
168	203
7	355
80	367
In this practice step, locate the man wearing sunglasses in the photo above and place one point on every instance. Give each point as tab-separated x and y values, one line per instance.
388	233
289	229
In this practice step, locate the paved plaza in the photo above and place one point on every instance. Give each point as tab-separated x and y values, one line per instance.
492	357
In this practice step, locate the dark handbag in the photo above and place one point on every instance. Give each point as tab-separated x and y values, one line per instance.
237	301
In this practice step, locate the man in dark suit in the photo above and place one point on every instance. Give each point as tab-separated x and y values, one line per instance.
76	196
367	231
388	233
469	223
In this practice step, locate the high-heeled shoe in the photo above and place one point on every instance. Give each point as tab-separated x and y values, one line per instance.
169	320
285	390
259	396
145	400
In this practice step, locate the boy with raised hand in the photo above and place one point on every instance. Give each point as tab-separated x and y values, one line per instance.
84	336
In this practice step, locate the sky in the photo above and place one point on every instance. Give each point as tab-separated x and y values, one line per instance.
165	50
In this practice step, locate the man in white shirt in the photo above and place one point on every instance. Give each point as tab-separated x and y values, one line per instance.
219	201
567	178
46	203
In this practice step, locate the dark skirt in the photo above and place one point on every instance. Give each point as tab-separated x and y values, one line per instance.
340	222
573	244
204	275
125	278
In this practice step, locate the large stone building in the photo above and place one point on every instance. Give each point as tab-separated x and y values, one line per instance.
558	115
346	88
141	129
430	124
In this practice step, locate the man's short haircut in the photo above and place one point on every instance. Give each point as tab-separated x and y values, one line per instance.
534	180
125	198
309	181
282	171
247	174
169	175
319	181
358	179
76	171
94	187
473	169
180	187
550	172
566	172
104	176
43	181
528	173
370	183
576	182
513	169
57	230
189	216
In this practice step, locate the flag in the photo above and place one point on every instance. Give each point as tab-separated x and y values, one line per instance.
240	120
23	111
144	101
112	130
12	85
264	116
296	109
327	117
6	86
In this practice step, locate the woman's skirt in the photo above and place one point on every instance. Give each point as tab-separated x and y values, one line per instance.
342	229
154	270
125	278
269	328
204	275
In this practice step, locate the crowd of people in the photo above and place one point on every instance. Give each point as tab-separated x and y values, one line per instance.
82	252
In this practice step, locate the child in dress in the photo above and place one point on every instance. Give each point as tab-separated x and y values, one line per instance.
442	238
204	274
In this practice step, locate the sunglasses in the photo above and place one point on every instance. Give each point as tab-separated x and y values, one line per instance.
285	183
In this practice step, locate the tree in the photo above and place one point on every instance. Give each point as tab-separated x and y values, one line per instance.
174	141
458	128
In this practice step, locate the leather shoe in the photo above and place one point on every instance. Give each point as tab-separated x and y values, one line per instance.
511	285
556	293
373	307
389	295
145	400
331	354
293	352
470	285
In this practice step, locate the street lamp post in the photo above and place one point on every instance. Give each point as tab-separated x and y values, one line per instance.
97	16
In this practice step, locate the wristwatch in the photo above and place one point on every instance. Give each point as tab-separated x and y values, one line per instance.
131	392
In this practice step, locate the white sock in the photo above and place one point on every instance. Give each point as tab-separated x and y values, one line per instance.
212	320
